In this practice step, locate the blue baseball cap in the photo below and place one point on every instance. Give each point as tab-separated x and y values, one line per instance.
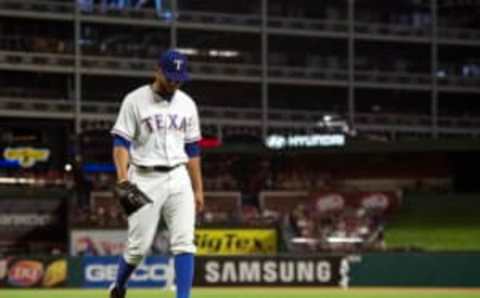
174	66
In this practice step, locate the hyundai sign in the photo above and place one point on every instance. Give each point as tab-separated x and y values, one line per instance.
305	141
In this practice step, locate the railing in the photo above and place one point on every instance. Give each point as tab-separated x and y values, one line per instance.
459	33
38	9
117	66
242	117
225	21
284	72
392	30
38	6
328	25
472	83
405	78
208	18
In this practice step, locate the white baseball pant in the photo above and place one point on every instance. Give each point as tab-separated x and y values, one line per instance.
173	200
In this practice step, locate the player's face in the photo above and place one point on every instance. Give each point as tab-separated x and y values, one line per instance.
165	84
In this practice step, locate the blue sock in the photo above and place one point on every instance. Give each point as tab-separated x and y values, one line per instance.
123	273
184	266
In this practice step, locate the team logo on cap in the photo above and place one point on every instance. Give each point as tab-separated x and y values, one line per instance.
178	63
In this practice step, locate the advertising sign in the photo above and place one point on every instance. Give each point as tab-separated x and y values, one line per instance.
235	241
270	271
25	222
97	242
155	271
382	201
33	272
27	157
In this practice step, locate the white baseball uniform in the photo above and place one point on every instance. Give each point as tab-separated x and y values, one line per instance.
158	130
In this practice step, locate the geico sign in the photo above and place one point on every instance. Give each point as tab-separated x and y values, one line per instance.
102	272
268	271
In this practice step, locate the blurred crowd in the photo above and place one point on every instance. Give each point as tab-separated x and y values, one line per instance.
307	230
243	190
273	190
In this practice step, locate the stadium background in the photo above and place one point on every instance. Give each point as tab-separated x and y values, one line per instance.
340	141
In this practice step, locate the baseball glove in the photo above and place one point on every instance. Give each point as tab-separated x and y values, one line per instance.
131	197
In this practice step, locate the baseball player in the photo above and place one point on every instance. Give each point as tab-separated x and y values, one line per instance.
157	159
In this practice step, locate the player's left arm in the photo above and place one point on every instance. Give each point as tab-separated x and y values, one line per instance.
194	168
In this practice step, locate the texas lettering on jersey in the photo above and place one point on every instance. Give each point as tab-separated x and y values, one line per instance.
158	129
167	121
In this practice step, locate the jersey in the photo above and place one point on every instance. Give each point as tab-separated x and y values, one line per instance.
158	129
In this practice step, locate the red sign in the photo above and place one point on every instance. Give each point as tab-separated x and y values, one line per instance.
383	201
25	273
329	202
376	200
212	142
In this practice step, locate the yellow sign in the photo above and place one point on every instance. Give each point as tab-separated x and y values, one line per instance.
56	274
235	241
26	156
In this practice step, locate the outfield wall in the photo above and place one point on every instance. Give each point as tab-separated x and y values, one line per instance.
374	269
416	269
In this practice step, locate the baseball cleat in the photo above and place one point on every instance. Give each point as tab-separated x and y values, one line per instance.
116	292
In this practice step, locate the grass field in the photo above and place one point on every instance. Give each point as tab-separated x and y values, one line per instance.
436	223
257	293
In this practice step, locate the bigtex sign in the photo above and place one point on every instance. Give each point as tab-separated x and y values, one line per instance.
235	241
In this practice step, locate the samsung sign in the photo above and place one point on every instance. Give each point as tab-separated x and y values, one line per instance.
269	271
312	140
